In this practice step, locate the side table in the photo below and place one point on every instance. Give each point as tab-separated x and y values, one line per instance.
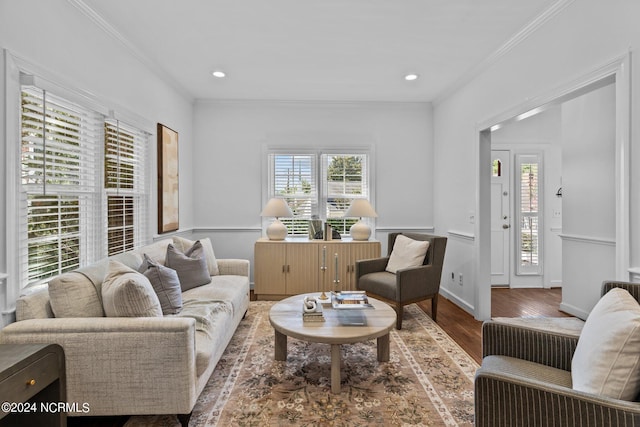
32	385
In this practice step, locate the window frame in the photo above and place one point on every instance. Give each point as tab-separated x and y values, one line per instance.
319	208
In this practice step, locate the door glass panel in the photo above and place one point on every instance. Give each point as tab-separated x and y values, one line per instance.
529	211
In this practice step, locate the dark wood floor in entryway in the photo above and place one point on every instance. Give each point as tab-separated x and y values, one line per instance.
466	331
456	322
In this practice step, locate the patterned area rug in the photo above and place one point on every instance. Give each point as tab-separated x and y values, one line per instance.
427	382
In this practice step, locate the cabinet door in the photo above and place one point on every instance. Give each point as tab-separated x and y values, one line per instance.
337	263
302	268
270	268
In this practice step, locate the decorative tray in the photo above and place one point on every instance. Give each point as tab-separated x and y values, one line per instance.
350	300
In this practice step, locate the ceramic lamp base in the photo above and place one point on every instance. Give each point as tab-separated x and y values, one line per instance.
277	230
360	231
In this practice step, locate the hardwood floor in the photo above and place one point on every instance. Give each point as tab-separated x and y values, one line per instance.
466	331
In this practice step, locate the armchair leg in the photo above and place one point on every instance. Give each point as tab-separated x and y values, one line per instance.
398	316
184	419
434	307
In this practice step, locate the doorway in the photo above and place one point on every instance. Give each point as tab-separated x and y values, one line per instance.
615	72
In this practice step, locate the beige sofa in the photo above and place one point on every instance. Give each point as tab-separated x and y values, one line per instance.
134	365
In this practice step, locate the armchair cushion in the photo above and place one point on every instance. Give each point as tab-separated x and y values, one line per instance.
407	253
607	358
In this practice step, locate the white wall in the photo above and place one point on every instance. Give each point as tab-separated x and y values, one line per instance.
63	45
228	158
588	198
585	36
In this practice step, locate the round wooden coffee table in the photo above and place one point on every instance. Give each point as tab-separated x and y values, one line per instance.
340	327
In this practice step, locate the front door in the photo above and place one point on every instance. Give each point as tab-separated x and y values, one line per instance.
500	218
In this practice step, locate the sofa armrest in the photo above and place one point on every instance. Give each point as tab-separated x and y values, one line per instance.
544	347
120	366
503	399
374	265
237	267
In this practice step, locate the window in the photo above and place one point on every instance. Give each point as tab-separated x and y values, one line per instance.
529	204
124	183
62	202
318	185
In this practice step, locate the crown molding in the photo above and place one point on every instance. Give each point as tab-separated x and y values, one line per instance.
524	33
149	63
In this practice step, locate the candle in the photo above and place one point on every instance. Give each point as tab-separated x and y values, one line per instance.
337	281
324	257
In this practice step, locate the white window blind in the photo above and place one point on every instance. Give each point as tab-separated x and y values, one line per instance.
529	198
59	181
125	183
293	177
344	178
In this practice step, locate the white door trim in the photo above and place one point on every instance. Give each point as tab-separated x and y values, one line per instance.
618	71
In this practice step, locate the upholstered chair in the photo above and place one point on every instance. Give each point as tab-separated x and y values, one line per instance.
526	378
406	285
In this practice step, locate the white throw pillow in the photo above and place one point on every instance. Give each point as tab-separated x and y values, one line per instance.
127	293
607	358
407	253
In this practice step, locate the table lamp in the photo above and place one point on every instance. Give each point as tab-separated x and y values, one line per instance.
277	208
360	208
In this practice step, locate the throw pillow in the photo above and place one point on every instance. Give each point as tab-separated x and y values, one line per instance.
607	358
191	266
407	253
184	245
165	283
127	293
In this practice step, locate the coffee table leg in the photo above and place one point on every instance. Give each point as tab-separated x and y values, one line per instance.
335	368
383	348
280	346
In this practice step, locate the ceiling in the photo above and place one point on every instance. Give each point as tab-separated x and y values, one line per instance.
338	50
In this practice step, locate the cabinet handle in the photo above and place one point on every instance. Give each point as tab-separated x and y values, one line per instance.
288	268
284	268
31	382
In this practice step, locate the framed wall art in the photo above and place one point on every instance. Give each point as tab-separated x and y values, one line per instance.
168	200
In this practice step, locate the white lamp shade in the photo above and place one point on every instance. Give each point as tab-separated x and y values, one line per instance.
360	208
277	208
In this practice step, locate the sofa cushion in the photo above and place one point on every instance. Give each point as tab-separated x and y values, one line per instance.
232	289
72	294
34	304
191	265
165	283
407	253
184	245
127	293
607	358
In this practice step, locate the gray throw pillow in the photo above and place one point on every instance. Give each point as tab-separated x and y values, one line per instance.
191	266
166	284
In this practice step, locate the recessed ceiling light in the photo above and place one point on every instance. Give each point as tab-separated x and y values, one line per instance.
410	77
219	74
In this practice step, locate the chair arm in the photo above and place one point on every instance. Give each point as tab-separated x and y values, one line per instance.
374	265
632	288
121	366
544	347
237	267
503	399
416	282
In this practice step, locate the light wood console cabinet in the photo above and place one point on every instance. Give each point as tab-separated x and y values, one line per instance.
296	266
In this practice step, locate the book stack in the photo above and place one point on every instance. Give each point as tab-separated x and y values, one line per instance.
312	311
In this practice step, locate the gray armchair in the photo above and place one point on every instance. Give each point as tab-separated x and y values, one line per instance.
407	285
525	380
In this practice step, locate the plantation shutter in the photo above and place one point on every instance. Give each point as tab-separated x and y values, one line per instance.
345	177
293	177
529	215
59	180
126	188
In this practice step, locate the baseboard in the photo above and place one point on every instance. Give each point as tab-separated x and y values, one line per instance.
457	301
574	311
